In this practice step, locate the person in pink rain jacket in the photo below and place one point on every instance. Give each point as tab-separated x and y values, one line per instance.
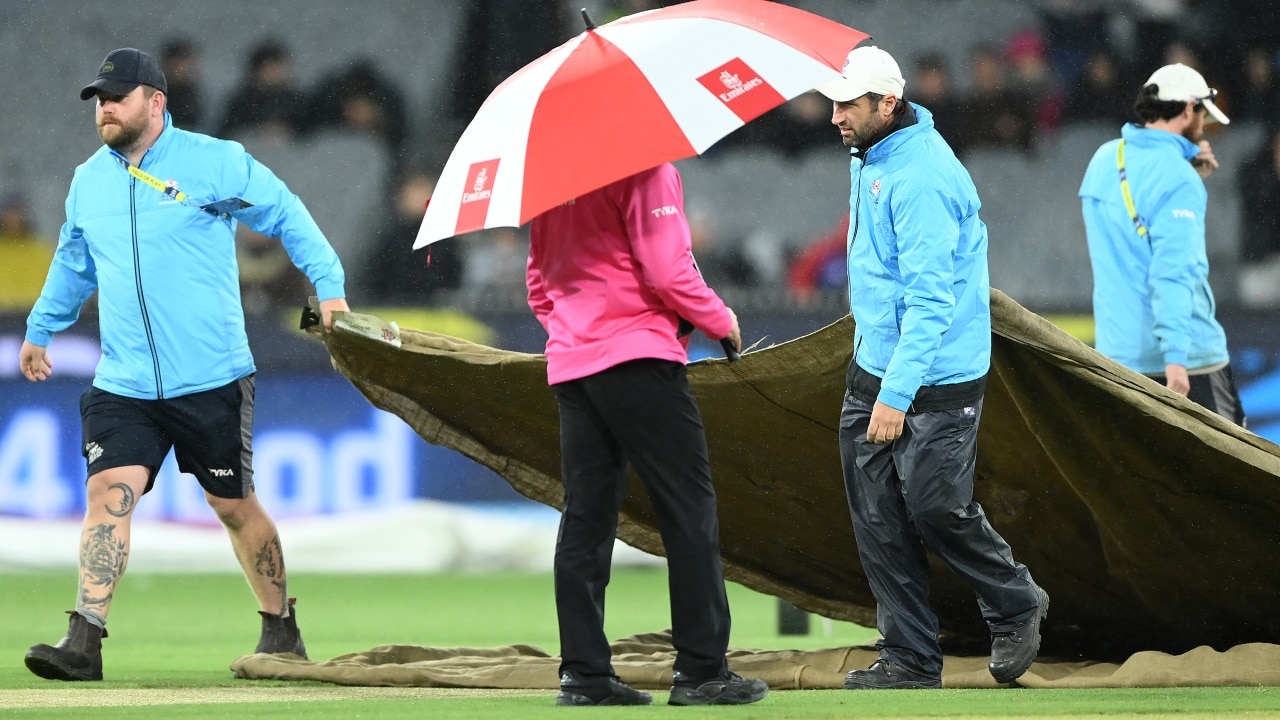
611	275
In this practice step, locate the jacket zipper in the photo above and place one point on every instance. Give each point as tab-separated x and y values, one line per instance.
857	205
142	300
853	236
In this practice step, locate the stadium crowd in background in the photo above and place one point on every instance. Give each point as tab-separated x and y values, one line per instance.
267	100
1077	65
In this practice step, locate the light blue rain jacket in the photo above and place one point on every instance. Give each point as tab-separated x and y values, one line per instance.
1151	298
918	283
168	287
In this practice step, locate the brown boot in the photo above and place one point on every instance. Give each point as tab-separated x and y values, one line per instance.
280	634
78	656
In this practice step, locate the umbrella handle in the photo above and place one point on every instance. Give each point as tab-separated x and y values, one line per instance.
730	352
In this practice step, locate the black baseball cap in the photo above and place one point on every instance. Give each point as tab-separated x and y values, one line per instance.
123	70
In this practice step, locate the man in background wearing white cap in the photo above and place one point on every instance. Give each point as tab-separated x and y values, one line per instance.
1144	204
920	297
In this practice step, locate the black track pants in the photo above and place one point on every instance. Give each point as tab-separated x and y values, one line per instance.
915	495
640	413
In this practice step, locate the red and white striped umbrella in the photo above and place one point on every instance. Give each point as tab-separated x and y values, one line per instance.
632	94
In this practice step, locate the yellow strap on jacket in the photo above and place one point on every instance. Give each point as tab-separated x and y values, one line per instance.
1128	195
159	184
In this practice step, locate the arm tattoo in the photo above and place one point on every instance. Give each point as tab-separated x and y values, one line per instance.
102	561
270	564
126	500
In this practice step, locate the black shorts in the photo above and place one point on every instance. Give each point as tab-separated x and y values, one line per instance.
1216	391
210	433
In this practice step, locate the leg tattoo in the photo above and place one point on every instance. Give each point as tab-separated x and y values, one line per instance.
102	561
269	563
126	500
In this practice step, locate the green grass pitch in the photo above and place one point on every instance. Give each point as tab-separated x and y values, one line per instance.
172	637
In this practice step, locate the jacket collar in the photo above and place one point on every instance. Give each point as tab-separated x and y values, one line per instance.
157	148
915	119
1143	137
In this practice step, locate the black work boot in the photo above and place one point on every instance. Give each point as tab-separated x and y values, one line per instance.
77	656
280	634
1013	651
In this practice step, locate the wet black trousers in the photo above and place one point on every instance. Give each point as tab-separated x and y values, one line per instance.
640	414
915	495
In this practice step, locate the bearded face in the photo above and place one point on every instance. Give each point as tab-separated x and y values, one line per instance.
858	120
1194	131
122	119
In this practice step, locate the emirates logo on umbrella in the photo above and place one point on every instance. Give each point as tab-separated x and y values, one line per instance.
475	196
482	178
741	89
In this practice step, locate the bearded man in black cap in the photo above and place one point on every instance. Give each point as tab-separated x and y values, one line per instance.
151	219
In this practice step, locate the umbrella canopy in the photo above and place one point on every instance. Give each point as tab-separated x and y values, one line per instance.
645	89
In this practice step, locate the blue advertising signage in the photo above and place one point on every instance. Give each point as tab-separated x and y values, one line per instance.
319	448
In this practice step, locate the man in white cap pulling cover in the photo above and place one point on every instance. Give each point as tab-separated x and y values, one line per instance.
920	298
1144	204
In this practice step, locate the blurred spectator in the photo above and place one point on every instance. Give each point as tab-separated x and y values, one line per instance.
267	101
500	37
1180	51
399	275
496	258
1259	98
720	260
1155	25
799	125
24	257
1033	80
1101	92
932	85
1258	181
1072	29
822	264
993	114
360	98
1222	33
180	64
268	278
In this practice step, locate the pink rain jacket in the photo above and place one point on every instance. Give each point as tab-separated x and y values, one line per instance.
611	273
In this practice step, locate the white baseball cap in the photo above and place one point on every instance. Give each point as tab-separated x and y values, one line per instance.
867	69
1180	83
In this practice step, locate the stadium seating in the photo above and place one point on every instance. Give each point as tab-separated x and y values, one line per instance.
770	204
341	178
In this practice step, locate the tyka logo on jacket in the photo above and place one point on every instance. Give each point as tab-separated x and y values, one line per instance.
476	192
741	89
